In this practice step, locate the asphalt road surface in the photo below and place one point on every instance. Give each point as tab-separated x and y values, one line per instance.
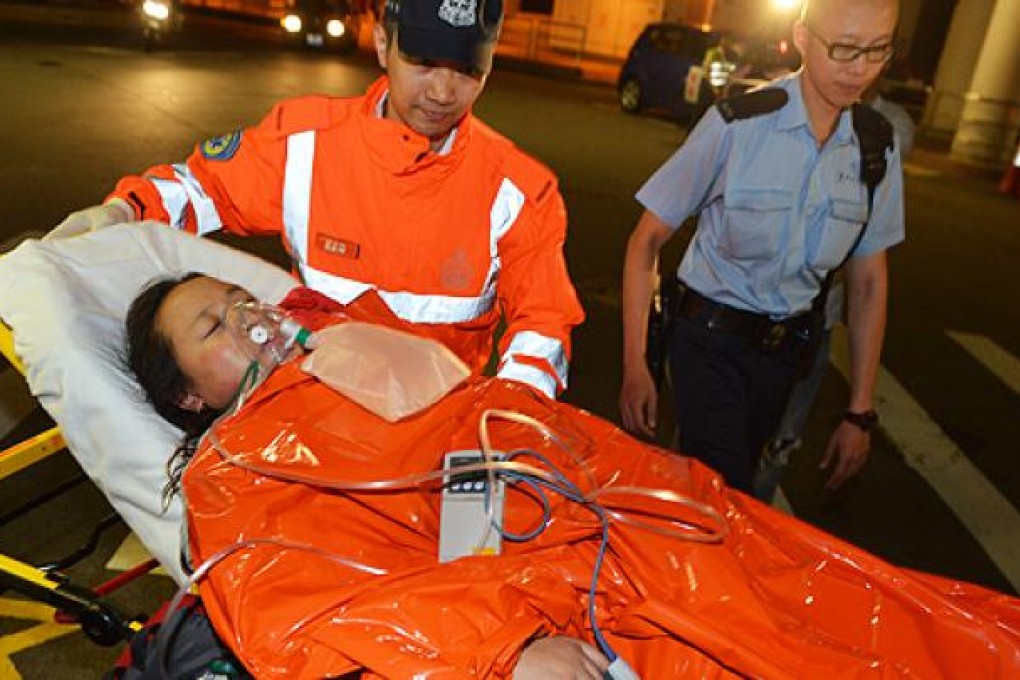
83	106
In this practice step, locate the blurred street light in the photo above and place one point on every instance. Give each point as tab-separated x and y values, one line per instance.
786	5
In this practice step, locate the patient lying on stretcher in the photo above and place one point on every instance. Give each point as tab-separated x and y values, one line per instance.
324	519
191	362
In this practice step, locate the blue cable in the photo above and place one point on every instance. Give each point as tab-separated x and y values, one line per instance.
571	492
546	513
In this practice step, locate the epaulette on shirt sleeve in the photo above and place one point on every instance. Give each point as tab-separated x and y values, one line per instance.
751	104
315	112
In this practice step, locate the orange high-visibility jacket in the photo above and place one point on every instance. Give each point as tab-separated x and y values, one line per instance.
774	599
449	240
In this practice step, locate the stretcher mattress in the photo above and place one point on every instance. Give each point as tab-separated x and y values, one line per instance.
65	301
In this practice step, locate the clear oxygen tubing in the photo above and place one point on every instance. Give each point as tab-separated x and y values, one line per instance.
537	478
590	501
691	532
714	529
258	323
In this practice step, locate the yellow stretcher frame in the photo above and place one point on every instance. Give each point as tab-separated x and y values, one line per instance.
99	620
34	449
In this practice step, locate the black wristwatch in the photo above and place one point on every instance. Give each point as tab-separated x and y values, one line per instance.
866	420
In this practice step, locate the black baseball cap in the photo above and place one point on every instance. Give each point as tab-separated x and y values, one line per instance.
459	31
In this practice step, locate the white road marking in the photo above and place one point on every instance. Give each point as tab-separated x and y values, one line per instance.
987	514
1004	365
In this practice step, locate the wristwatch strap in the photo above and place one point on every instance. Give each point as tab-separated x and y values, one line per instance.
865	420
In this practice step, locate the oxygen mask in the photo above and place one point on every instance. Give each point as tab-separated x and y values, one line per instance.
265	333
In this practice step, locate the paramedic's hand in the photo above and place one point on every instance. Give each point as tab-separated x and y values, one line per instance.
848	449
114	211
560	658
639	400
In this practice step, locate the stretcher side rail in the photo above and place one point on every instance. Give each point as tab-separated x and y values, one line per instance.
26	453
99	620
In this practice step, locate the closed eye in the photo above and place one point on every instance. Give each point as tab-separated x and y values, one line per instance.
215	326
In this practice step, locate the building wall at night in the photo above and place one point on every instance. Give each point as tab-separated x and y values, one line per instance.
610	26
963	53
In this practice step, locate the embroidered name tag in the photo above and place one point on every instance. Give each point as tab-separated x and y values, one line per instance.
338	246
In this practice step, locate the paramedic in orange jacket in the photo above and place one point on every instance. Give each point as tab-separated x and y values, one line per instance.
402	191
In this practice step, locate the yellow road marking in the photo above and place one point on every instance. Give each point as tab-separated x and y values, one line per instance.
47	630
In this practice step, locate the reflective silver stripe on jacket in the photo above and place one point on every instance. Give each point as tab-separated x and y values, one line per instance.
178	194
531	375
297	194
410	306
506	207
530	343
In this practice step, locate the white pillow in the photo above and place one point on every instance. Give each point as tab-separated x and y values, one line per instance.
65	300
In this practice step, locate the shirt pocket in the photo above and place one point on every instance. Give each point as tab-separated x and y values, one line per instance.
754	220
839	233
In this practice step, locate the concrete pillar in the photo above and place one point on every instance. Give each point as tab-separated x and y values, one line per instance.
956	67
990	117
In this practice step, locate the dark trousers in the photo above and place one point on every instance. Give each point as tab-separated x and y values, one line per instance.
730	397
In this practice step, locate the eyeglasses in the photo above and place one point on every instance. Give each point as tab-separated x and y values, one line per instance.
845	53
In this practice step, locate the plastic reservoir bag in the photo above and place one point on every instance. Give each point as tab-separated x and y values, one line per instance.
391	373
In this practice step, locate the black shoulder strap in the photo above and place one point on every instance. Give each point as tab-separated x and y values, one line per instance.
752	103
875	136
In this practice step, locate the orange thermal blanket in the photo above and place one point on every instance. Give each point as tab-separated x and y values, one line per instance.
351	579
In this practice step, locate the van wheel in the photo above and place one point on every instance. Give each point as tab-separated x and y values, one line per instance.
631	96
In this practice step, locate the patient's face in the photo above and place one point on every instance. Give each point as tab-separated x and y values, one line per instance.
210	356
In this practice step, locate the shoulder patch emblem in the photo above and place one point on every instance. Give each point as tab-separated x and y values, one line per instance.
222	148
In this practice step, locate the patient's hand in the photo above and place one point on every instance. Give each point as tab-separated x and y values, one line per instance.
560	658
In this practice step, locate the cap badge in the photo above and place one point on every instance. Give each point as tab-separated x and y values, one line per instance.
459	13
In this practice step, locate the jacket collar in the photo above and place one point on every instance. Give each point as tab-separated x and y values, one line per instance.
396	146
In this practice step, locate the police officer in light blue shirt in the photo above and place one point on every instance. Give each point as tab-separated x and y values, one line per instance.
787	437
775	178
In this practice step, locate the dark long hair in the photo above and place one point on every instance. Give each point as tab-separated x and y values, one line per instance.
151	359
